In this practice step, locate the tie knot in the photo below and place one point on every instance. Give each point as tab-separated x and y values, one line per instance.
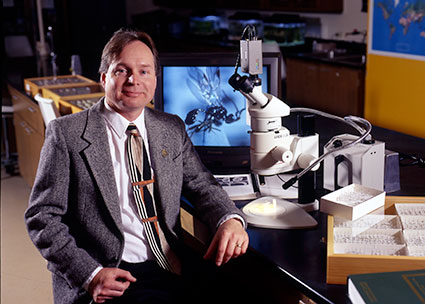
133	129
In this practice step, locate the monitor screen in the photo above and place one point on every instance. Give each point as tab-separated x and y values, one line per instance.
195	87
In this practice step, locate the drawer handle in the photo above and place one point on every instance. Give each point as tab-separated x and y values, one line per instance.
15	97
23	124
31	109
28	130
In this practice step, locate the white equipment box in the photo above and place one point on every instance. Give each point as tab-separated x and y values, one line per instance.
362	164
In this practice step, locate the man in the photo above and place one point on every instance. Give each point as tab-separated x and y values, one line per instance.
82	214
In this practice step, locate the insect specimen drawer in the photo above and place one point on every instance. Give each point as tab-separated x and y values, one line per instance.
33	86
391	241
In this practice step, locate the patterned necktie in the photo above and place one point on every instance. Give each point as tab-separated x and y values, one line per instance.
142	184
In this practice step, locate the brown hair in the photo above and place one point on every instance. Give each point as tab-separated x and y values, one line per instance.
118	41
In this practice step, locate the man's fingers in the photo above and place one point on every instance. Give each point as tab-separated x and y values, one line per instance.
211	249
218	249
221	255
230	249
238	250
230	241
110	283
125	275
242	246
116	288
111	290
223	250
102	299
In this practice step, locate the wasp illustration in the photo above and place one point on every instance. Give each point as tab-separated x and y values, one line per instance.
205	86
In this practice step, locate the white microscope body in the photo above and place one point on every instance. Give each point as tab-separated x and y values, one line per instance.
273	149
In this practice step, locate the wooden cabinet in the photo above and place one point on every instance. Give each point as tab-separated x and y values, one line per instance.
332	88
316	6
29	131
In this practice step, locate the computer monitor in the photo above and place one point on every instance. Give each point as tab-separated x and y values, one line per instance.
195	87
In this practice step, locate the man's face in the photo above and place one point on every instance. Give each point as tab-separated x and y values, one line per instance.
130	81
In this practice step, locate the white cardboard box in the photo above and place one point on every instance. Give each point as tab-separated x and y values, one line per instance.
352	201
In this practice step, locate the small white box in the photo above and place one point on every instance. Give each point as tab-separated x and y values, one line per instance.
352	201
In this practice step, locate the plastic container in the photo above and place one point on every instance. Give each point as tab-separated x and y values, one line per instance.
286	30
207	25
238	21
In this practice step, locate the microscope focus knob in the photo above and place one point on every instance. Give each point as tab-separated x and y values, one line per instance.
306	159
283	154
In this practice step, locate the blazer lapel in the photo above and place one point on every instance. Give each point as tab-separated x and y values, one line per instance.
99	160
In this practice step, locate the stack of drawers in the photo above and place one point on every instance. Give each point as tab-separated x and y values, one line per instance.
64	90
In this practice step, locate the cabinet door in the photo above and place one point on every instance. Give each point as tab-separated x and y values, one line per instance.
318	6
29	131
334	89
29	144
27	109
340	90
302	83
22	145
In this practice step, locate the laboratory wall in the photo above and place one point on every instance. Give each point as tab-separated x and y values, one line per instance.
395	94
340	26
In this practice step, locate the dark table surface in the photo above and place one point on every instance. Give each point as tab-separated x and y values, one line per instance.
300	255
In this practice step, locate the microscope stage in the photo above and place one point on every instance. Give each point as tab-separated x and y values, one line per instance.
271	212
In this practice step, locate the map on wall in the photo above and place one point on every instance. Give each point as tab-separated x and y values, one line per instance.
397	28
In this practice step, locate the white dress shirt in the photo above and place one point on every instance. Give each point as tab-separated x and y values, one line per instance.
136	247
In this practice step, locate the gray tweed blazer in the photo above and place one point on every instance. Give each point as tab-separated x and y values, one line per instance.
74	216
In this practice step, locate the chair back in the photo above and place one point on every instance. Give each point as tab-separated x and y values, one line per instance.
48	108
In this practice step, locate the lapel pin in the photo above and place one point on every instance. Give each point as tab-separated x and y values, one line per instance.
164	153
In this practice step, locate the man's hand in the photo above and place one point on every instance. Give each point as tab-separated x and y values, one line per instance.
110	283
230	241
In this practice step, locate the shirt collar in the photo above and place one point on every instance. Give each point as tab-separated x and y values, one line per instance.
119	124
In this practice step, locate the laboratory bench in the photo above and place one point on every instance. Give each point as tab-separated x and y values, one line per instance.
280	264
294	258
299	256
288	266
